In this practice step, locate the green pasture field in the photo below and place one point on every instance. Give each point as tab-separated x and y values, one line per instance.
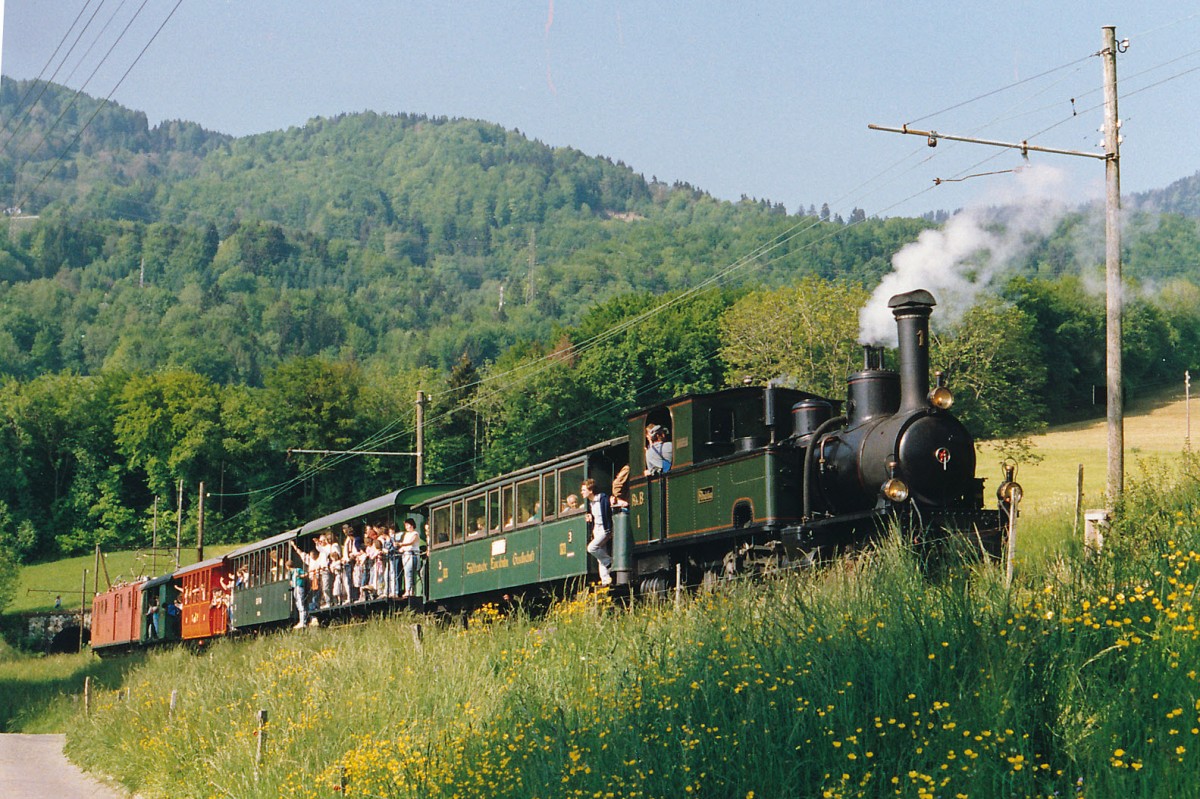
1155	433
1155	430
41	582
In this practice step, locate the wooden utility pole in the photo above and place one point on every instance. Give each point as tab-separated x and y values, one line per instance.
154	540
1112	269
82	609
1112	166
179	525
420	438
200	526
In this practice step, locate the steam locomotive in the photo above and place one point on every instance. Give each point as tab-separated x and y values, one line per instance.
760	478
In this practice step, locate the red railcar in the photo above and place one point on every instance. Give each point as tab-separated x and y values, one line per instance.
117	616
204	598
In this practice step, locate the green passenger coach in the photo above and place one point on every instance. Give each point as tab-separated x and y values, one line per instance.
261	593
523	528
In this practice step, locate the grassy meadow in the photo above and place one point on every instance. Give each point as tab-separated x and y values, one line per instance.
867	678
1155	431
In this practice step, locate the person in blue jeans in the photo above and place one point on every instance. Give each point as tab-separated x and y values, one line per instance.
410	554
600	527
299	581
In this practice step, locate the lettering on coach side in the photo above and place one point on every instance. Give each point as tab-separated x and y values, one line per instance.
521	558
476	568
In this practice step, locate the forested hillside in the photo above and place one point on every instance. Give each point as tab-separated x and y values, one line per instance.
176	304
1181	197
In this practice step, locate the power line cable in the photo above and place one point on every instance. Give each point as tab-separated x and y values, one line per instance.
44	85
96	40
75	98
101	106
999	90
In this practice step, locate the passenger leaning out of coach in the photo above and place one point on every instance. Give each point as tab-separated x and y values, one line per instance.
369	588
389	559
410	555
351	548
325	546
600	527
619	498
298	576
341	585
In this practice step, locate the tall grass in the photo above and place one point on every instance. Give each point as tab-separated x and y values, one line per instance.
43	694
865	678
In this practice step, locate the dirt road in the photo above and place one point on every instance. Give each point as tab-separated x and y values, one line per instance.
34	767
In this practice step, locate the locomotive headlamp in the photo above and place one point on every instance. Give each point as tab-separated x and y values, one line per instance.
1007	490
895	489
1010	487
940	396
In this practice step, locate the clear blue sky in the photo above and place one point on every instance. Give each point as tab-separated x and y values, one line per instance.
768	99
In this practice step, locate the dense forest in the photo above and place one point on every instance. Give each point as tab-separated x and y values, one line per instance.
179	305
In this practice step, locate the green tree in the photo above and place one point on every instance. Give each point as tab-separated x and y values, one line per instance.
168	425
57	423
991	362
453	420
804	335
1068	330
10	576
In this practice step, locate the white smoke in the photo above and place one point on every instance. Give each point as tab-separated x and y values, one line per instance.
969	255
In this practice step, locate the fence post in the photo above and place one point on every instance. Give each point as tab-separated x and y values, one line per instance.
174	700
87	696
416	636
1078	502
678	583
262	739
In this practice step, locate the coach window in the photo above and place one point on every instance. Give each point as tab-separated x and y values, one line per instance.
493	505
529	505
549	496
508	507
458	523
440	526
569	480
476	516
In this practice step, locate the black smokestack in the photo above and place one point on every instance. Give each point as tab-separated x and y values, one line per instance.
912	323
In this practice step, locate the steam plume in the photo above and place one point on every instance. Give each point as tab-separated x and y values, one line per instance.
970	254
